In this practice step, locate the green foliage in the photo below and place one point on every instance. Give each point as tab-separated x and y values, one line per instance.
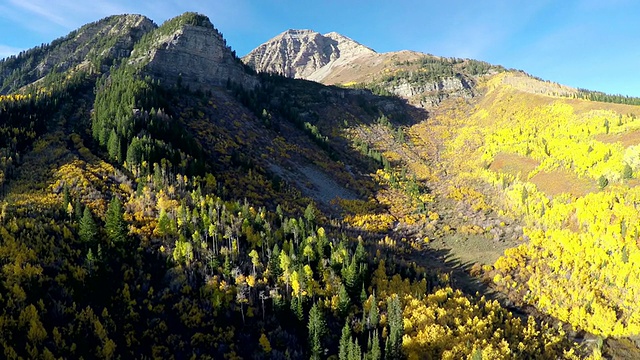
88	229
317	330
627	172
128	122
609	98
188	269
345	341
115	225
23	69
393	345
602	182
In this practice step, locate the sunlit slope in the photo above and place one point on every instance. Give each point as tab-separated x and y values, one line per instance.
567	167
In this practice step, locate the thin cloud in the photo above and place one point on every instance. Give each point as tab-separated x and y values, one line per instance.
6	51
42	10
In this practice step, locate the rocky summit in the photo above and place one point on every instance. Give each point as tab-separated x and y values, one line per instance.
304	54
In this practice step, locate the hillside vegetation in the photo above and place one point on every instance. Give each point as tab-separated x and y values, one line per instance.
142	218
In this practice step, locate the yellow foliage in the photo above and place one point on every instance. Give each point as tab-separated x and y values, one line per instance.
264	343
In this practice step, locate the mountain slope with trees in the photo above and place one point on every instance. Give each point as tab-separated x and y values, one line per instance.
148	214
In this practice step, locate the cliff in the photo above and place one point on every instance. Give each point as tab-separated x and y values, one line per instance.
191	53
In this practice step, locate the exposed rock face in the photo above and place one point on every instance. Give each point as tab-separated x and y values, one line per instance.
99	44
431	94
304	54
194	56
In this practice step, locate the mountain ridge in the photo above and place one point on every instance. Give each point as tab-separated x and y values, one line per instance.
100	44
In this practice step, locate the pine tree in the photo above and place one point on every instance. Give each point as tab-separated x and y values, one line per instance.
317	329
113	146
350	275
374	312
310	214
345	340
355	353
274	262
393	346
115	226
164	223
375	354
343	301
88	229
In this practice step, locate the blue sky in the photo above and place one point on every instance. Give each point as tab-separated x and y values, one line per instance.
590	43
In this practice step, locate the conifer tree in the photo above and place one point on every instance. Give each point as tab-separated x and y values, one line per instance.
88	229
344	302
375	354
164	223
393	346
374	312
345	340
116	226
317	329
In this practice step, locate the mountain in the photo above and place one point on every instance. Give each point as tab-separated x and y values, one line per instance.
161	198
304	54
97	45
333	59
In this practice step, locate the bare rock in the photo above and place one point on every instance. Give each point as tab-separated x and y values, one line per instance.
304	54
193	56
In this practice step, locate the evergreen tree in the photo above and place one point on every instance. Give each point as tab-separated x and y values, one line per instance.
345	340
355	353
274	262
344	302
113	146
374	312
88	229
393	346
78	209
164	223
350	275
317	329
66	197
310	214
116	226
374	353
363	295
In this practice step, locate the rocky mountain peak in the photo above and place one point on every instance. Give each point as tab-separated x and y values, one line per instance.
190	51
302	53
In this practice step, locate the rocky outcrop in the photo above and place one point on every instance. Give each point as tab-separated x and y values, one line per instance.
408	89
432	93
99	44
194	56
304	54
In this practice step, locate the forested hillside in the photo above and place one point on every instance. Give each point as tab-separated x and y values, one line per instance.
147	215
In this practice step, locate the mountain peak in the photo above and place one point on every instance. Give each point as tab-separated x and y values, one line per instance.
302	53
189	50
297	32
